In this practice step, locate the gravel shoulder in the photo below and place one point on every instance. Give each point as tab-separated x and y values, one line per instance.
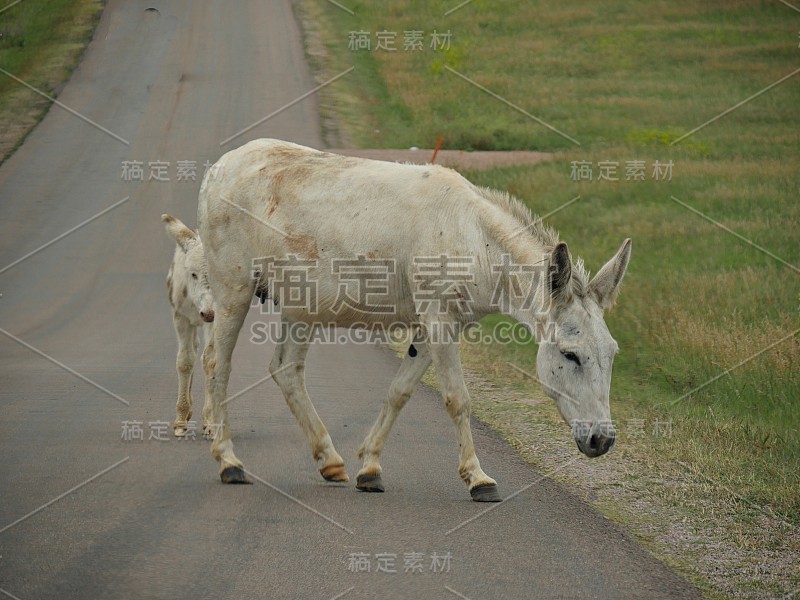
701	529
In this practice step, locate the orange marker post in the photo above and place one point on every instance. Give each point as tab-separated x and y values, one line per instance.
436	151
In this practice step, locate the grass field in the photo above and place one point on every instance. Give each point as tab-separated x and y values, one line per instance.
625	80
40	43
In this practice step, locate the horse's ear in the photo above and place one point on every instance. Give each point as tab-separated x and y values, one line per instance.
179	232
560	274
605	285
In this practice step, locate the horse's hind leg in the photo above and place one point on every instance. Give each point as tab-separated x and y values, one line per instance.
412	369
288	371
208	355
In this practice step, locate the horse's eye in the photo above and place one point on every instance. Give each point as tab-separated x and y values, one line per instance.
573	357
194	275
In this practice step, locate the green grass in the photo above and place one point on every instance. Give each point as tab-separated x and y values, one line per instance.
40	43
596	71
627	79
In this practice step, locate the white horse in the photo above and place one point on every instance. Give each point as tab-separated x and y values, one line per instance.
192	309
271	207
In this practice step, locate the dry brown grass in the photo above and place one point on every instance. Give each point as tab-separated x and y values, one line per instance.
731	343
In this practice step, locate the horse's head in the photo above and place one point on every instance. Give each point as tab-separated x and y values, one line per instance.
191	270
574	365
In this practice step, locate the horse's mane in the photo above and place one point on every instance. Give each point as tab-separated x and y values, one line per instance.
535	227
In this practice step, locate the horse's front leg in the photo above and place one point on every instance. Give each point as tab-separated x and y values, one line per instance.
230	311
413	367
445	357
288	370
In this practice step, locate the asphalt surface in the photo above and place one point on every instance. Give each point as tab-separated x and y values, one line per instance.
150	519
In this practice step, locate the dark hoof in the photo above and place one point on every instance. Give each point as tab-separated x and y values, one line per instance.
485	493
369	483
234	475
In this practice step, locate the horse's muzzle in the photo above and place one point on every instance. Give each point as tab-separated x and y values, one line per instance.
596	444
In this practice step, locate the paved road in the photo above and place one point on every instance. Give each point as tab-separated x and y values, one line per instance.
173	83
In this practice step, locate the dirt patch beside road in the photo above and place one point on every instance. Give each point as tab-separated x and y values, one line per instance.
455	159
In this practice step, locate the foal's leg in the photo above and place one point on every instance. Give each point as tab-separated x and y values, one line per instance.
230	309
445	356
184	364
288	371
411	371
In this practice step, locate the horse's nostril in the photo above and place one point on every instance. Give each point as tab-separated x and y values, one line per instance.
594	442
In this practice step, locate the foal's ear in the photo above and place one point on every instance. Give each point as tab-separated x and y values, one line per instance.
561	274
179	232
605	285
